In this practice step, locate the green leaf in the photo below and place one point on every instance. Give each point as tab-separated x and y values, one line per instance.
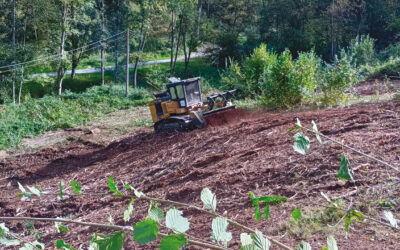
296	128
35	191
114	241
344	172
257	213
172	242
219	233
301	143
76	187
296	214
1	232
304	246
315	129
209	199
389	216
260	241
61	244
350	216
9	242
155	214
145	231
60	193
60	228
176	222
272	200
113	186
332	243
266	212
128	212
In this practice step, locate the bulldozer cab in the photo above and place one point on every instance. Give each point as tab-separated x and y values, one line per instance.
186	92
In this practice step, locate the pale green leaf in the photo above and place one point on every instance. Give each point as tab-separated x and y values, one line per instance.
35	191
145	231
261	242
9	242
138	193
176	222
172	242
301	143
315	129
209	199
155	214
298	123
304	246
389	216
21	188
332	243
345	172
219	233
246	242
128	212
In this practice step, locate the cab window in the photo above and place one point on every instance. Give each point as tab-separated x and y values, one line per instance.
172	92
179	90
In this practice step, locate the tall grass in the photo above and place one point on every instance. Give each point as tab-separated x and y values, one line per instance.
37	116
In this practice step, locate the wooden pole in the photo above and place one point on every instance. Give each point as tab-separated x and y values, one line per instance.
102	42
127	64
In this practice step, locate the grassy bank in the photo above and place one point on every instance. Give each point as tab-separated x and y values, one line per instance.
37	116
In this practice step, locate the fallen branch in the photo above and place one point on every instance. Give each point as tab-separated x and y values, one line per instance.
115	227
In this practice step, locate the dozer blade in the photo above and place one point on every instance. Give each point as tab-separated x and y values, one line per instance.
215	111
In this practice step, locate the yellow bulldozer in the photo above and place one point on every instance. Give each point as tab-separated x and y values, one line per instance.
181	106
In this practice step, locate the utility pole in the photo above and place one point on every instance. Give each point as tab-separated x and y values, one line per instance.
14	54
102	42
127	63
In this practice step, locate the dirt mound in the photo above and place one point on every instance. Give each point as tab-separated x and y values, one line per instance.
238	152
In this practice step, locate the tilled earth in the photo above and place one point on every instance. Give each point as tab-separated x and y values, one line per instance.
239	151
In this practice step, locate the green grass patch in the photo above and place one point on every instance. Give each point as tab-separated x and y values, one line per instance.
37	116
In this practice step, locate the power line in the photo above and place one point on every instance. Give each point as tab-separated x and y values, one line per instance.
55	59
57	55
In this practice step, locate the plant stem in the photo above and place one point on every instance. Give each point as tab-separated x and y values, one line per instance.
115	227
353	149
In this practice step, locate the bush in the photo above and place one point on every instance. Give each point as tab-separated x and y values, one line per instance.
279	80
338	78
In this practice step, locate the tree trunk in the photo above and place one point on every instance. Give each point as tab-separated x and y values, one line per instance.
21	82
14	54
116	44
172	40
199	19
60	73
141	48
102	45
74	64
178	43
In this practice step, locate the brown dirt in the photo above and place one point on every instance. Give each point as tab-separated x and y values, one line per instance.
238	152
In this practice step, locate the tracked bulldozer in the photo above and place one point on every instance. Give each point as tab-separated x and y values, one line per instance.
181	106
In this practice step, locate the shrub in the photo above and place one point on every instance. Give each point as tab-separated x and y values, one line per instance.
338	78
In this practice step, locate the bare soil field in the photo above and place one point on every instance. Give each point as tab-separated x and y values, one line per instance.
239	151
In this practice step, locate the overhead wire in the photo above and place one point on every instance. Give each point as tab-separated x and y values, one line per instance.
28	64
57	55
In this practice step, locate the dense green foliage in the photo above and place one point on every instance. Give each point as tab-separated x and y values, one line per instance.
278	80
68	110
